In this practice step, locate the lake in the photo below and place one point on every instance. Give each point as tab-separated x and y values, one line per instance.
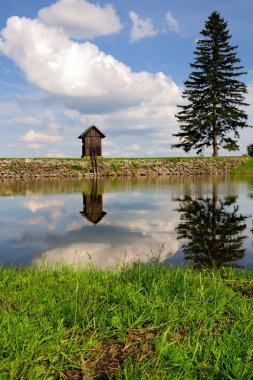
205	222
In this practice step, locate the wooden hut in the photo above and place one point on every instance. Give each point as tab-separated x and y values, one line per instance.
92	142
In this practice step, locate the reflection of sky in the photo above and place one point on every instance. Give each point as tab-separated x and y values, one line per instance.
140	223
135	227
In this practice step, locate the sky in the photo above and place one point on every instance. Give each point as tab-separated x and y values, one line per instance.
119	65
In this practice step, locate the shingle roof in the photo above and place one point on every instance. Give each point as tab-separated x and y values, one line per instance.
87	130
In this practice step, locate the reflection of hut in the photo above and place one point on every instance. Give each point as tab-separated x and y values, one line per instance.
93	205
92	144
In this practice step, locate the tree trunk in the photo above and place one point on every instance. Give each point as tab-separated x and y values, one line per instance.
215	144
215	135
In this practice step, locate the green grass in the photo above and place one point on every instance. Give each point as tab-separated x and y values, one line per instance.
188	158
175	158
116	166
246	167
79	168
138	322
135	165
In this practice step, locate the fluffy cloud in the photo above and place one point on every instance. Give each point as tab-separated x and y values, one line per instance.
32	136
76	72
81	19
141	28
83	84
172	23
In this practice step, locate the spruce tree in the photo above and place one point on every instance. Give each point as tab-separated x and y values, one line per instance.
214	111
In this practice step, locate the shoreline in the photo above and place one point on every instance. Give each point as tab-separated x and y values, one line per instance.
31	168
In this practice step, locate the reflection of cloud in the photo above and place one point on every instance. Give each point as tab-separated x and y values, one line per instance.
35	205
33	221
110	244
140	221
102	254
75	226
48	221
157	229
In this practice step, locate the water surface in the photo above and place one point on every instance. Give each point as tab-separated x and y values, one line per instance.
205	221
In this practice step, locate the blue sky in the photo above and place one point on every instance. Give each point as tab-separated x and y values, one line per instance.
67	64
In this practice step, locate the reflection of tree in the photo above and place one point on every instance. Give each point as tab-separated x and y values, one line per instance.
93	203
213	229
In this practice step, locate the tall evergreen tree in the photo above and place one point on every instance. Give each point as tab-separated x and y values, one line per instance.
214	111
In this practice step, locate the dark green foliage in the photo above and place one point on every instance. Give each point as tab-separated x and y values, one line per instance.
77	167
214	111
213	230
116	166
250	150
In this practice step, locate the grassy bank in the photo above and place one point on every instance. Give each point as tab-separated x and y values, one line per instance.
140	322
245	168
102	159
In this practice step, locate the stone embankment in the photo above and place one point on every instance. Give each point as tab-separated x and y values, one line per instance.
76	168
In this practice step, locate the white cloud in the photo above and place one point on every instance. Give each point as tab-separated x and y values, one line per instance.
141	28
73	115
78	74
108	143
32	136
53	154
48	120
135	147
81	19
34	146
87	86
23	120
107	153
172	23
150	124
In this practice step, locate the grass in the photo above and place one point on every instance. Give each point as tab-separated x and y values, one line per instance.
135	165
245	167
174	159
116	166
79	168
138	322
102	159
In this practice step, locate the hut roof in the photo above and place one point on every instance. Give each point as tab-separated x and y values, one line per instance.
87	130
94	218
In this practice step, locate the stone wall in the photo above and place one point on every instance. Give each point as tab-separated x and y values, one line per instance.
76	168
